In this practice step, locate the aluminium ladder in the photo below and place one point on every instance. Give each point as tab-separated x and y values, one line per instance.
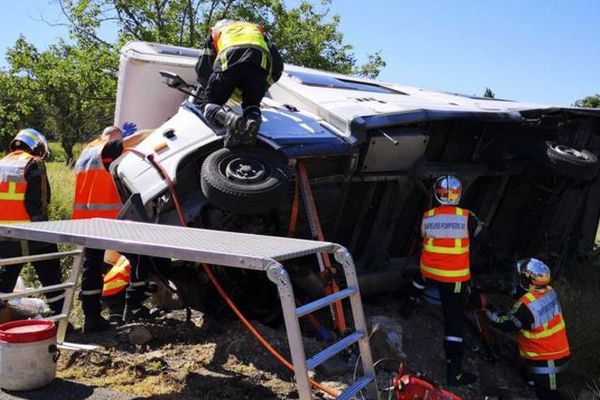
238	250
68	286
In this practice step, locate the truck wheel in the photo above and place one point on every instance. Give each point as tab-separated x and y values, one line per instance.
567	161
245	180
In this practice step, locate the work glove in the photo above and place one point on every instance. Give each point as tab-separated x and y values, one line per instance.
129	128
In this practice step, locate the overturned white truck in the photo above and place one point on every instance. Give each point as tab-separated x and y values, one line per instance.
371	150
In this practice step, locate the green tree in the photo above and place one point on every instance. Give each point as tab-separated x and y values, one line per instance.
305	35
73	86
19	107
489	93
589	101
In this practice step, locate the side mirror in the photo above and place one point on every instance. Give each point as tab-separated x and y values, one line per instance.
172	80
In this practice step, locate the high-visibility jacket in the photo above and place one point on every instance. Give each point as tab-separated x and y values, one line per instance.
13	186
445	256
547	338
95	191
117	278
240	34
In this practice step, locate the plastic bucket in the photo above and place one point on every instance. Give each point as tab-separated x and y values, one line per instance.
28	354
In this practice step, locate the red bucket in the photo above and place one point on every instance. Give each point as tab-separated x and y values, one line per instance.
27	331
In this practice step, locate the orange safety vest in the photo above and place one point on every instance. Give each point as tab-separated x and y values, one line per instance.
13	187
95	191
547	338
117	278
445	256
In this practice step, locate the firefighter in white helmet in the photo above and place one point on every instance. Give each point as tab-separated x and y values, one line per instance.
24	197
537	319
445	265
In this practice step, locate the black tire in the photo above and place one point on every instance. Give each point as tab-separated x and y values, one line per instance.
245	180
566	161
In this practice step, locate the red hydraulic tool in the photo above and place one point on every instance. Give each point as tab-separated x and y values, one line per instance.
412	387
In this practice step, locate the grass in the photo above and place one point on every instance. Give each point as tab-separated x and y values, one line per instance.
62	183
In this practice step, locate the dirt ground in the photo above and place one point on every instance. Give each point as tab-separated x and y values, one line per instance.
218	359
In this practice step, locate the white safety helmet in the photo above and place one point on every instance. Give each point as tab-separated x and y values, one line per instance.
35	142
533	273
447	190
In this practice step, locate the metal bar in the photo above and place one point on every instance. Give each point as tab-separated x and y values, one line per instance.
57	317
356	387
337	311
29	292
344	257
77	346
324	301
334	349
40	257
278	275
69	295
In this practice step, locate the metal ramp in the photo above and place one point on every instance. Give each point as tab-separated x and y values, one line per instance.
257	252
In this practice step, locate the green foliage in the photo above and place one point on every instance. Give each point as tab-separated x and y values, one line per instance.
589	101
489	93
74	85
68	91
306	35
19	107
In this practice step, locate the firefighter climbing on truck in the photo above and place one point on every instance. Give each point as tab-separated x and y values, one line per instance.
237	55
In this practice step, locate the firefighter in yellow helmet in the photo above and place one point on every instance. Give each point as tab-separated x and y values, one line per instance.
24	197
537	320
445	265
237	55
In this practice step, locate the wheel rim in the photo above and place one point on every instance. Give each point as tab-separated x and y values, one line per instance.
245	170
571	152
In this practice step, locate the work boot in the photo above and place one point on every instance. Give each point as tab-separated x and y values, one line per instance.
134	314
455	376
95	324
252	125
234	125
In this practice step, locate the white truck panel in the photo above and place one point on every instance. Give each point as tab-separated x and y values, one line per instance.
142	98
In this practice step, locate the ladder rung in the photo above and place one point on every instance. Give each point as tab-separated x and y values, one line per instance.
324	301
332	350
355	388
77	346
44	289
57	317
38	257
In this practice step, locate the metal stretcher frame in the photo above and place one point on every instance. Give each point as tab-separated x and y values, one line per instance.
239	250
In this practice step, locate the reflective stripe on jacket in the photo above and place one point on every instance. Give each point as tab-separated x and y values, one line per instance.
240	34
445	255
547	338
95	191
117	278
13	187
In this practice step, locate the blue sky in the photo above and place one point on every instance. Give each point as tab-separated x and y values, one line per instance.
544	51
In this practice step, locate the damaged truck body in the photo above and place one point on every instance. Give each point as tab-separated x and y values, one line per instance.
371	150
